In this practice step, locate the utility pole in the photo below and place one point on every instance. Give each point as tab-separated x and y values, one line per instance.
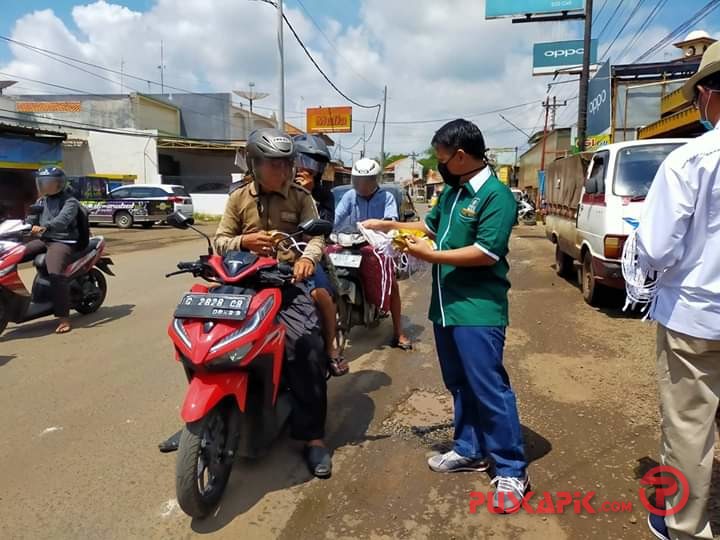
281	92
161	67
364	143
122	68
382	138
515	166
546	106
585	77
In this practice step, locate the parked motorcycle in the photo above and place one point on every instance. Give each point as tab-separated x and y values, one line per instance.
354	308
526	212
88	286
229	340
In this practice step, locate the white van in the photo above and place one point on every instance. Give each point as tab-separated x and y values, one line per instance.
590	215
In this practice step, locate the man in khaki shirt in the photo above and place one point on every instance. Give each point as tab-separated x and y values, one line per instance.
272	202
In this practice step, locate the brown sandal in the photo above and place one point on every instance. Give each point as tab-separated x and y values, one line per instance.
63	328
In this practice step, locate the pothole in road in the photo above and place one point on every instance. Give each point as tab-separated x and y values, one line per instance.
423	414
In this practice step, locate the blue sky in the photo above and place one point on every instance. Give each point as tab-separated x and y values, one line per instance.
439	58
344	11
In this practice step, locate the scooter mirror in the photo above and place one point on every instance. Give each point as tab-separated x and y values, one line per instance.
316	227
179	220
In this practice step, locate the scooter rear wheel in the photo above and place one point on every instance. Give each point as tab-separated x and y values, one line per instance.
203	464
90	303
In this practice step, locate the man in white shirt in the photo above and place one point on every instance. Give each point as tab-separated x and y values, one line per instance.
679	236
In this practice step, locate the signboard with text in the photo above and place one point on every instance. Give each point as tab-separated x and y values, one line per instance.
495	9
599	105
329	120
549	58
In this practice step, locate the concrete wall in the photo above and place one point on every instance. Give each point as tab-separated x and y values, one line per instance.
204	116
114	112
114	153
209	204
152	114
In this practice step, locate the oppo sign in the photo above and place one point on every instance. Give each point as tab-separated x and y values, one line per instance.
598	106
551	57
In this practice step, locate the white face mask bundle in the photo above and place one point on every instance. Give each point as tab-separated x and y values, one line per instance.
640	284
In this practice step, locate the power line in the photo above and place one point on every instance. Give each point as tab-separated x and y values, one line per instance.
610	19
602	8
348	63
694	19
643	28
637	7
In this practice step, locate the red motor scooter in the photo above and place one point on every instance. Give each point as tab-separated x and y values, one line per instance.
88	287
228	338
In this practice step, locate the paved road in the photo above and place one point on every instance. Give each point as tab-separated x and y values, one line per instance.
82	414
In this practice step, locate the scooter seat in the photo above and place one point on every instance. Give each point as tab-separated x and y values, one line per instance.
39	261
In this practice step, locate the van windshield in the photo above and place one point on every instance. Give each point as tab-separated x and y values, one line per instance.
636	168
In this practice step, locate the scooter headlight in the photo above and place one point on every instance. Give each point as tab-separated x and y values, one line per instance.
249	326
232	358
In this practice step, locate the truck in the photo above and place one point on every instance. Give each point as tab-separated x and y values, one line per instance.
594	200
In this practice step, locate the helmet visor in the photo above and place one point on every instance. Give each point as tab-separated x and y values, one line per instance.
305	162
49	185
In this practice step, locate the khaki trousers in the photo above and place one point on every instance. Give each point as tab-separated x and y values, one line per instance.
689	382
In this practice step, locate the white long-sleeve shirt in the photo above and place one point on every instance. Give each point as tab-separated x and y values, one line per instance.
679	234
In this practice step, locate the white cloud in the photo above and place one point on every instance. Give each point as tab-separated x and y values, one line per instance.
439	59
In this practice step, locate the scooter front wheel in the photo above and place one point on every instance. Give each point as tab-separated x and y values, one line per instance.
203	463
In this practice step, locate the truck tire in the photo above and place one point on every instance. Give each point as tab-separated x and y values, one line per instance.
588	282
563	263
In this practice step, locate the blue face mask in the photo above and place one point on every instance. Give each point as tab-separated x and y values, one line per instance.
707	124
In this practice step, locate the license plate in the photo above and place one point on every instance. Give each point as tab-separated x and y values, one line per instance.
213	306
346	260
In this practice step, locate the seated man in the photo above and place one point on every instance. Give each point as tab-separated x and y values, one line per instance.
367	200
273	202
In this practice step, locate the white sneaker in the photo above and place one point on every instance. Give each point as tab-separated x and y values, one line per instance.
509	493
453	462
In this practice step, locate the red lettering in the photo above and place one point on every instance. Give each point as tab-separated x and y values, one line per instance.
564	498
546	506
477	498
587	504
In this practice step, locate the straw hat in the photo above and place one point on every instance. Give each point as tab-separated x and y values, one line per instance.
710	65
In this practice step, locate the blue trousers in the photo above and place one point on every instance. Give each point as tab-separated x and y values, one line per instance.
487	424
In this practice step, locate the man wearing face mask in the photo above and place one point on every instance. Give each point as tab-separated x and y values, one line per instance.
679	237
471	224
368	200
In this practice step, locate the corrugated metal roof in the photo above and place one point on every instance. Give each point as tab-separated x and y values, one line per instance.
27	129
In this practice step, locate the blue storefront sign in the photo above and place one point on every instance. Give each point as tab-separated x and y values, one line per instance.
549	58
510	8
599	102
25	153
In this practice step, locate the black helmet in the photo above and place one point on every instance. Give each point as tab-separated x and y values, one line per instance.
269	143
50	181
311	153
313	146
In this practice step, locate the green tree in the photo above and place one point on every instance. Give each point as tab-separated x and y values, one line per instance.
430	161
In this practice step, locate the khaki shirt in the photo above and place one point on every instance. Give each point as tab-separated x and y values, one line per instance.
247	212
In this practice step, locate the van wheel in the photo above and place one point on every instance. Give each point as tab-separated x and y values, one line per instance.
123	220
588	281
563	263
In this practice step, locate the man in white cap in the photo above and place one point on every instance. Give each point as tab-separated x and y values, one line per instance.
679	237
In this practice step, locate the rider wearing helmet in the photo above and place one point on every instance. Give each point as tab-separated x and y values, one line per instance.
271	201
368	200
56	225
311	158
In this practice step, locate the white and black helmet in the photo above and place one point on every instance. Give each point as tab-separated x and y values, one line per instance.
269	143
366	169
